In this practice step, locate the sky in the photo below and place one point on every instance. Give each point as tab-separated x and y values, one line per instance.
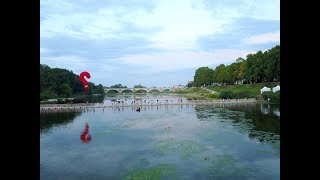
153	42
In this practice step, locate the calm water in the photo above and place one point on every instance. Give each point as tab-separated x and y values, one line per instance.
162	142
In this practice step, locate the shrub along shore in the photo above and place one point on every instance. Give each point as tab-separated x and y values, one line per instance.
233	92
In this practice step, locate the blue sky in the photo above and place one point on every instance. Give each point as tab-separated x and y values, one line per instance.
153	42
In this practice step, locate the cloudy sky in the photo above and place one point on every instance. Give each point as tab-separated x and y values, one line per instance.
153	42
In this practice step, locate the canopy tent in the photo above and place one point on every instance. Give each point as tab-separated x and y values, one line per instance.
275	89
264	89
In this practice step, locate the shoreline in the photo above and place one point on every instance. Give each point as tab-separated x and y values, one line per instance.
86	106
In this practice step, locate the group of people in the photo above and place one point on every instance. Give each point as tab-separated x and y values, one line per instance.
126	102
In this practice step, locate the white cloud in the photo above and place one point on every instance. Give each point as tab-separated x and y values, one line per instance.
172	27
266	10
179	23
263	38
170	61
69	62
44	50
100	72
263	10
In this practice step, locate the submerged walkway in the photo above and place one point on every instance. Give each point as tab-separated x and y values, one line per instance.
84	106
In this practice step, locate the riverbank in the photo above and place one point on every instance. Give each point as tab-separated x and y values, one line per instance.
93	106
232	92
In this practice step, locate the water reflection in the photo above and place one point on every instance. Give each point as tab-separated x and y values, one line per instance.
50	120
201	142
268	109
144	99
85	137
259	121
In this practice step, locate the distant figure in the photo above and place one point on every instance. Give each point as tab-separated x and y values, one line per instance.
138	110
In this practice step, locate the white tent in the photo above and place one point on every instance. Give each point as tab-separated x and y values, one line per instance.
275	89
264	89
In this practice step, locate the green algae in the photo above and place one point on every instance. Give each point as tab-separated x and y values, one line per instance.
226	166
153	173
185	148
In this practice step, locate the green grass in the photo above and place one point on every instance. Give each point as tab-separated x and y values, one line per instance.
245	90
195	93
251	89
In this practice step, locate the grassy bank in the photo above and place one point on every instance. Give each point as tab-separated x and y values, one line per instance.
230	92
196	93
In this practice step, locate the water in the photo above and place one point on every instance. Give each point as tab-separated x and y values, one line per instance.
162	142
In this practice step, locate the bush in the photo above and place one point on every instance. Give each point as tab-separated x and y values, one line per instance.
240	95
274	97
47	94
214	96
226	94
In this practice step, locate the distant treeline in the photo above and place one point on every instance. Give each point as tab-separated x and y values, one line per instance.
256	68
62	83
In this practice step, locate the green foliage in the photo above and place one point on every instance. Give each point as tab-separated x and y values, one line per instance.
234	95
118	86
213	96
203	76
219	75
62	83
47	94
99	89
65	90
138	86
140	91
273	97
245	90
256	68
241	95
195	93
229	91
226	95
190	84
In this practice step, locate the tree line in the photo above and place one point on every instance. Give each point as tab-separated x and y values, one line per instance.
122	86
256	68
63	83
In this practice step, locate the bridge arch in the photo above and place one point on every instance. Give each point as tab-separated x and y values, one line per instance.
166	90
109	91
127	91
154	90
140	90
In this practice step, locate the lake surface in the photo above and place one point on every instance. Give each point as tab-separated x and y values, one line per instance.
240	141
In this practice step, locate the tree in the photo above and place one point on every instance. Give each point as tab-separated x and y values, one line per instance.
56	82
138	86
203	76
272	67
239	59
242	70
118	86
99	89
258	67
65	90
219	75
190	84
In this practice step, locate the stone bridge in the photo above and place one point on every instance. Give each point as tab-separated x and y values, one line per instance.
133	90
